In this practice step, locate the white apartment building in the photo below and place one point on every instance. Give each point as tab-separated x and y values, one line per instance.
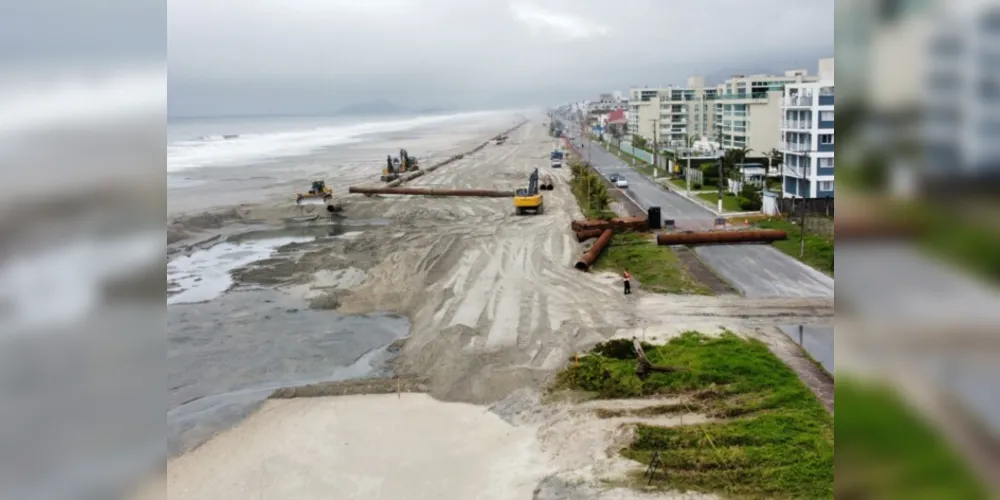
643	112
744	111
686	112
747	110
962	121
807	134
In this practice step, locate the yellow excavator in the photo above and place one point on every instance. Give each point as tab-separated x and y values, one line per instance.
529	200
397	166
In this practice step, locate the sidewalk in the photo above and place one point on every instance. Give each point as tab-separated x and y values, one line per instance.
643	168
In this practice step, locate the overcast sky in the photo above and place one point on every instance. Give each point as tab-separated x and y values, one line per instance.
313	56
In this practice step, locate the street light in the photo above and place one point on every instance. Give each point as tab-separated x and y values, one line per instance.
722	155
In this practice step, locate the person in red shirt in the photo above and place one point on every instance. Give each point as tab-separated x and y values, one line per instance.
628	284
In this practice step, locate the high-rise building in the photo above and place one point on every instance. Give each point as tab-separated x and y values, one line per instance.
807	135
747	110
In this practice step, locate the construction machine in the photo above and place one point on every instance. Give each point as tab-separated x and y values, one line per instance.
404	163
319	194
529	200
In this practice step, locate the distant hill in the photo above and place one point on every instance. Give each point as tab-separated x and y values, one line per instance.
377	107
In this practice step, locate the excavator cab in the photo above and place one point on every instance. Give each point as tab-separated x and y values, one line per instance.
529	200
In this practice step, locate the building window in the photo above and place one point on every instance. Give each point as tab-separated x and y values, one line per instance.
826	185
826	116
824	162
826	138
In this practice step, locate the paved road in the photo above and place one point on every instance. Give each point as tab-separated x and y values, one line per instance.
757	271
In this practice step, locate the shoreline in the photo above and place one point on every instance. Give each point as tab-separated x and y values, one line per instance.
457	269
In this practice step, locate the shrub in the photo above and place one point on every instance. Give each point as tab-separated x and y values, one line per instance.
696	186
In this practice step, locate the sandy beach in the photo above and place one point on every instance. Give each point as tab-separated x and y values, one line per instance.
494	309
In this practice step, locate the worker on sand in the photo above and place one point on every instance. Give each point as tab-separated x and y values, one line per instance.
628	282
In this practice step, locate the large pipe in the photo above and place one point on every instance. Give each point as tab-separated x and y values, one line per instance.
619	224
582	236
482	193
700	238
588	257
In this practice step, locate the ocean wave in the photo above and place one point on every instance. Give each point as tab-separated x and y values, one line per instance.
239	149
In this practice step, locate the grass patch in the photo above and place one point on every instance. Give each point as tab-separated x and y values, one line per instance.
729	203
818	248
885	451
776	440
657	268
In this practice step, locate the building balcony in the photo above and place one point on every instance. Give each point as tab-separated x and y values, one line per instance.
796	147
798	100
728	114
825	148
797	124
790	171
826	100
826	124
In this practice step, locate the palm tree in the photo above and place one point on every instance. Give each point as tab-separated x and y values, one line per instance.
776	159
689	143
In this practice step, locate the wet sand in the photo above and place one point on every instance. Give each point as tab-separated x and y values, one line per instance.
495	309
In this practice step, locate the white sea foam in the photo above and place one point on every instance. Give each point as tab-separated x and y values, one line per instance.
217	151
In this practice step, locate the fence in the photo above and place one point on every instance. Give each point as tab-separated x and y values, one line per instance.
812	206
643	155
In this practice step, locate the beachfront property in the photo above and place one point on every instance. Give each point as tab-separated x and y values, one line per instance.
961	124
743	111
644	110
747	109
807	136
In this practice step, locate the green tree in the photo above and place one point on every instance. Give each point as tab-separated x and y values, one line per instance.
639	141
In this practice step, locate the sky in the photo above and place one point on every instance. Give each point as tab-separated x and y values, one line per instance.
232	57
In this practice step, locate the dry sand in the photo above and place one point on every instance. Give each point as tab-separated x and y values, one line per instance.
496	309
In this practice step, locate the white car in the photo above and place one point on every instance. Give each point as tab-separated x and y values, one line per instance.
621	183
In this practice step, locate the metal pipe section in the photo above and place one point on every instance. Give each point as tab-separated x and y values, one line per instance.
481	193
708	237
619	224
588	257
582	236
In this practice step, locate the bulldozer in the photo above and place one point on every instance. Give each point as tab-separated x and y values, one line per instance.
319	194
397	166
529	200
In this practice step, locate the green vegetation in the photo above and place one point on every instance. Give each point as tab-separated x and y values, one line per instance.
773	439
657	268
885	451
818	248
729	201
590	191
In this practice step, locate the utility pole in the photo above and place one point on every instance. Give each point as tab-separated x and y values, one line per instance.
722	155
802	222
656	125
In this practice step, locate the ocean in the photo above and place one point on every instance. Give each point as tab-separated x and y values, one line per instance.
214	162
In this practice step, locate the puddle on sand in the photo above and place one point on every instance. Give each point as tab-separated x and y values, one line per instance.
226	356
205	274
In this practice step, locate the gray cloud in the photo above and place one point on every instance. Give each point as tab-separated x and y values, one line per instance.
295	56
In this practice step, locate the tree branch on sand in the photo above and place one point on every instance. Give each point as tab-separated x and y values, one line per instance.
643	367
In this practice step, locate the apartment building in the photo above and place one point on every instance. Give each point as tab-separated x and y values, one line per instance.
747	109
962	73
644	112
807	136
685	112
